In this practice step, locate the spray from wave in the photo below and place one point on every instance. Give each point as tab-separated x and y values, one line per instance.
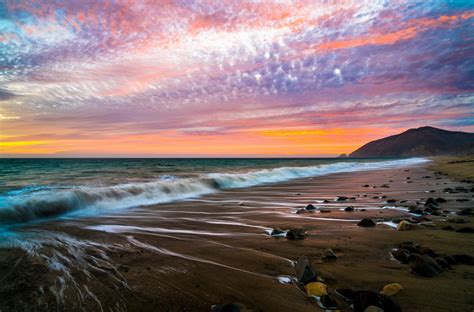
23	207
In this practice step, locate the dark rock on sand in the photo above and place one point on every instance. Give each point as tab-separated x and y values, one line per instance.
431	201
450	260
391	201
462	200
464	259
349	294
370	298
300	211
410	246
349	209
324	210
442	263
448	228
366	185
366	223
402	255
310	208
465	230
277	232
304	271
426	266
294	234
465	212
457	220
329	254
428	251
342	198
440	200
327	302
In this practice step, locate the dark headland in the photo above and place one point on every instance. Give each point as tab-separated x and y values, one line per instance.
423	141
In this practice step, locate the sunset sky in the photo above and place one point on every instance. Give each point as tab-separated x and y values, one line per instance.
229	78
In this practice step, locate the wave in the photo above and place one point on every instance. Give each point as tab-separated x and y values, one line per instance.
20	207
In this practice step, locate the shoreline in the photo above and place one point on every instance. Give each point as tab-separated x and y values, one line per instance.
211	250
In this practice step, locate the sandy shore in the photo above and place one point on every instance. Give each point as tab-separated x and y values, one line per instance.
190	255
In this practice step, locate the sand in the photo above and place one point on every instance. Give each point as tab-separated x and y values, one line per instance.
190	255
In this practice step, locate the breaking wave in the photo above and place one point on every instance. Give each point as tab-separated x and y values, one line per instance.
25	206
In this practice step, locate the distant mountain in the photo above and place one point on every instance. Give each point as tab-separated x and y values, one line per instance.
424	141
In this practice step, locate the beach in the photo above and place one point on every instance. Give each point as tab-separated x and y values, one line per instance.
195	253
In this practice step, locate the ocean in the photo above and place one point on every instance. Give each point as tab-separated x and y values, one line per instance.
39	189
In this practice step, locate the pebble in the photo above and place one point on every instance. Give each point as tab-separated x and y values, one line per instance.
366	223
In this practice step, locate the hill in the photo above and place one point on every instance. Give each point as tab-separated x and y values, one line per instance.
424	141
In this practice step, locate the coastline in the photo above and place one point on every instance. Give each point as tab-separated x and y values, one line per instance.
193	254
456	167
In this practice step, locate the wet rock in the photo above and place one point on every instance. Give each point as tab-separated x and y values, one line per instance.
467	229
440	200
384	186
363	209
402	255
391	201
371	298
349	209
300	211
329	254
324	210
317	289
427	251
425	266
342	198
465	212
410	246
366	223
277	232
462	200
327	302
450	260
304	271
325	201
310	208
391	289
448	228
294	234
365	185
404	226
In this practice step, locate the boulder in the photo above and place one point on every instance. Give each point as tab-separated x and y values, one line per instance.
310	208
317	289
440	200
371	298
402	255
404	226
329	254
366	223
391	289
304	271
391	201
349	209
294	234
342	198
426	266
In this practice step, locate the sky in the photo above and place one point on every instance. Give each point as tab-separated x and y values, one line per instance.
229	78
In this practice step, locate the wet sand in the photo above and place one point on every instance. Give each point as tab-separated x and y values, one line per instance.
190	255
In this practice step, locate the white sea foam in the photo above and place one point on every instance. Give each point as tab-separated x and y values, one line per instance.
23	207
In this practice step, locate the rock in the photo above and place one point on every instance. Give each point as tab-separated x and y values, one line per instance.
349	209
450	260
304	271
425	266
464	259
300	211
467	229
277	232
371	298
462	200
391	201
442	263
310	208
373	309
440	200
465	212
325	201
329	254
343	155
365	185
296	234
431	201
448	228
404	226
317	289
366	223
428	251
402	255
342	198
228	307
327	302
324	210
349	294
391	289
384	186
456	220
